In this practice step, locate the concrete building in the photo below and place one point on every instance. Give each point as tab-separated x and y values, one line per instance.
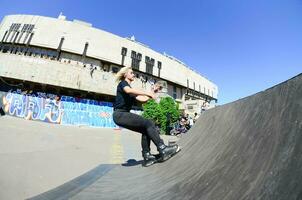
74	58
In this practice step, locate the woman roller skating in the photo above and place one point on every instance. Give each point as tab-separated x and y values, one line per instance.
125	98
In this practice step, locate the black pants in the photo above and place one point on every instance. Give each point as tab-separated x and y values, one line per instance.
139	124
2	111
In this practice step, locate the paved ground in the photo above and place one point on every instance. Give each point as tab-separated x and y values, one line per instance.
36	157
249	149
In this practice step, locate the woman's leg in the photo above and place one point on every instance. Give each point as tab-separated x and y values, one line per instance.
145	143
139	124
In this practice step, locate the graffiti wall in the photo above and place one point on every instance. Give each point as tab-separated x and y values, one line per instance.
64	110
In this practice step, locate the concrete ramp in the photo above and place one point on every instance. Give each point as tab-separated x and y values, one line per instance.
248	149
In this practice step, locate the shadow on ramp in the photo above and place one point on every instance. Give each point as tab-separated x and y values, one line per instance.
248	149
132	162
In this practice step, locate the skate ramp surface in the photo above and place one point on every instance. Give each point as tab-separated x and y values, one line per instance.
248	149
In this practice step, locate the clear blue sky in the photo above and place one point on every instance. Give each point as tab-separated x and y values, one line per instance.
242	46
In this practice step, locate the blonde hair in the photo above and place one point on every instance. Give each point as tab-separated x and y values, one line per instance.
121	74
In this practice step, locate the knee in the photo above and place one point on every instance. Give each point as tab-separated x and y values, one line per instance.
149	123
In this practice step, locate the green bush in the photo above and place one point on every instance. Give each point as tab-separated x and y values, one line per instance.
158	112
152	111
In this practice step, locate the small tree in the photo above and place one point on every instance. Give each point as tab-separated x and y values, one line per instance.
159	112
168	107
152	111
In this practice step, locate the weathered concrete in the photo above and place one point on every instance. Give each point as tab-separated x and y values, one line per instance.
36	157
248	149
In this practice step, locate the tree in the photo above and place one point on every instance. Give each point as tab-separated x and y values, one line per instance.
158	112
152	111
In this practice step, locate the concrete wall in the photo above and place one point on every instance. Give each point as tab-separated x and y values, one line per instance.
56	73
61	74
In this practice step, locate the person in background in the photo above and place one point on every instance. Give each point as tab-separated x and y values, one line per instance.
196	116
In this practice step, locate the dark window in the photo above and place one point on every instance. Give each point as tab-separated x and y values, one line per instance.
5	49
174	92
136	58
149	64
16	37
12	27
11	38
199	89
24	28
25	38
30	37
60	47
28	28
30	52
85	49
194	85
159	67
4	36
31	28
15	50
124	51
61	43
133	54
159	64
12	49
187	82
133	57
20	36
15	29
139	56
7	36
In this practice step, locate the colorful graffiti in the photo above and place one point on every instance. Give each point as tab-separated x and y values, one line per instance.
86	112
65	110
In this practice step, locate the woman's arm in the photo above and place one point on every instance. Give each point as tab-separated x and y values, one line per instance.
142	98
136	92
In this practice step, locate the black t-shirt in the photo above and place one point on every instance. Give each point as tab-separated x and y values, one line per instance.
123	100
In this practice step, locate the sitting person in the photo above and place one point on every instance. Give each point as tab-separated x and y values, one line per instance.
179	128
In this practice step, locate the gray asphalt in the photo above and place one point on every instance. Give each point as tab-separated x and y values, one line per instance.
248	149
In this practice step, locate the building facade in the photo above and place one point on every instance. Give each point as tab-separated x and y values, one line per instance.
74	58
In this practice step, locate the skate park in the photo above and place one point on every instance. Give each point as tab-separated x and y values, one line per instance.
247	149
237	65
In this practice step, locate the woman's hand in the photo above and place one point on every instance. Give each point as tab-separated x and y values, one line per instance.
151	95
